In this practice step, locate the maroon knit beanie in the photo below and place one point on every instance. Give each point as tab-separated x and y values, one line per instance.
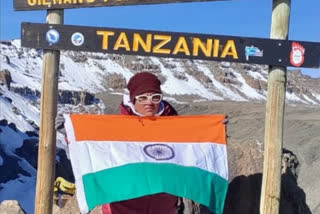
143	82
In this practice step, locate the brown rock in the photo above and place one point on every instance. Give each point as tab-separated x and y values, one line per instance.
254	83
245	168
78	56
70	206
116	81
10	207
224	76
55	209
201	77
75	97
5	78
179	75
97	210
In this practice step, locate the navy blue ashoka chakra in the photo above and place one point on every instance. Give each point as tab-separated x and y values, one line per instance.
159	151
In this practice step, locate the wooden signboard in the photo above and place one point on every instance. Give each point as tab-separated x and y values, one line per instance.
61	4
171	44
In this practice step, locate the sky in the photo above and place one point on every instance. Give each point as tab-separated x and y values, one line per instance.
250	18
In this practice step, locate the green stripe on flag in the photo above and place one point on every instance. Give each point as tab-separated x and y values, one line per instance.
140	179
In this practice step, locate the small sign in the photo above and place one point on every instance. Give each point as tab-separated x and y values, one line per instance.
77	39
52	36
253	51
171	44
297	54
64	4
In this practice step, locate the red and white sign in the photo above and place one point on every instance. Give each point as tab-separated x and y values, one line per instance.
297	54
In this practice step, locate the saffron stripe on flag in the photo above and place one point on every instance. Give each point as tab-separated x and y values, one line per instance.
202	128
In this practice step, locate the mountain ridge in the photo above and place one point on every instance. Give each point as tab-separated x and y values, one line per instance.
91	72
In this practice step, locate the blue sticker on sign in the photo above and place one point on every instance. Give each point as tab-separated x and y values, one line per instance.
77	39
253	51
52	36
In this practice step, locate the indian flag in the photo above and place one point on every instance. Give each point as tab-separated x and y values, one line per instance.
117	157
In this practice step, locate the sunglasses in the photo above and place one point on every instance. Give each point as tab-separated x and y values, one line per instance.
143	99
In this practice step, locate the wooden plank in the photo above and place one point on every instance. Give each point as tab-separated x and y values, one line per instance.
271	181
47	136
64	4
170	44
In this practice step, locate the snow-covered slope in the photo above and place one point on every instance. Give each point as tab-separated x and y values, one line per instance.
208	80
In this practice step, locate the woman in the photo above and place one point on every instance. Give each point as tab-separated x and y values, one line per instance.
145	99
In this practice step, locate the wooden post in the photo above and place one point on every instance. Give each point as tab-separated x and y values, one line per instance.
48	112
271	182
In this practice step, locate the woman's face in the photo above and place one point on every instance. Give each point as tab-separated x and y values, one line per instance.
147	104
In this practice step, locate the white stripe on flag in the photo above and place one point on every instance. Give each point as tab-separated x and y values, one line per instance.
95	156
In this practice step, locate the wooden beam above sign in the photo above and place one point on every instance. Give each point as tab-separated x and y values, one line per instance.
171	44
65	4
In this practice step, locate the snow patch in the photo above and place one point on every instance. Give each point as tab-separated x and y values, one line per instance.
256	75
226	92
246	89
294	98
315	95
309	100
26	111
